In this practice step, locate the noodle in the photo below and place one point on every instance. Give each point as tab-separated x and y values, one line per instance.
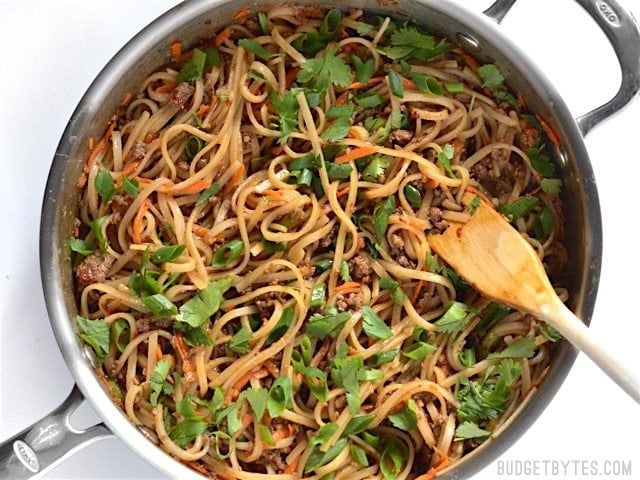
252	258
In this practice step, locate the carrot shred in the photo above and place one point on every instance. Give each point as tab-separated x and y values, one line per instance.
235	179
271	368
291	76
540	378
342	99
469	60
243	12
129	168
347	286
90	143
521	101
158	352
183	352
416	290
442	464
203	110
355	153
165	88
176	50
408	83
99	146
343	191
197	187
222	36
200	231
234	391
291	467
360	85
549	130
126	98
137	222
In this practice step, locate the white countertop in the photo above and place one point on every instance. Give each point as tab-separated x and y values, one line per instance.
51	51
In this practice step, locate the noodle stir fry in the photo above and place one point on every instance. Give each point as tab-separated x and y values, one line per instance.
251	252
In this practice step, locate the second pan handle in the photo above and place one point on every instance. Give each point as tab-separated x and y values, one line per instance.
624	35
41	447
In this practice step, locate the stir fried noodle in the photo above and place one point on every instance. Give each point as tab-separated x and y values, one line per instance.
251	251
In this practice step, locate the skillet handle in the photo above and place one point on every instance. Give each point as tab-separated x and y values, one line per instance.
624	35
48	442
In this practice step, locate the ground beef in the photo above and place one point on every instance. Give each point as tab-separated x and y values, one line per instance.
139	150
93	269
529	136
401	137
353	301
428	299
149	322
435	217
360	268
120	203
328	240
267	301
396	241
181	94
182	169
398	253
497	186
275	458
307	270
311	12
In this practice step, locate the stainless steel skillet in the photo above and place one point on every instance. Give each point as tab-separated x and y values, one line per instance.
43	445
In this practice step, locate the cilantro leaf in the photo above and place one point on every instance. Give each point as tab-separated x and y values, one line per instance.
286	106
193	335
98	227
157	379
543	224
373	325
393	458
96	334
407	418
407	42
327	324
197	310
337	130
456	317
318	73
324	433
518	208
551	186
381	213
491	76
540	162
280	397
240	341
104	185
470	430
207	194
376	168
257	398
549	332
194	68
357	424
80	246
364	70
444	160
523	347
397	294
167	253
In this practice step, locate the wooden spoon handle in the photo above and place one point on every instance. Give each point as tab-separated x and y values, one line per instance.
570	326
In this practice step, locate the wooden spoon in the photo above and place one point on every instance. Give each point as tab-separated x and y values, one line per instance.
497	261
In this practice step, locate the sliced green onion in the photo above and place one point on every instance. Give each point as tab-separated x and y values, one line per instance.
192	146
317	294
227	253
414	197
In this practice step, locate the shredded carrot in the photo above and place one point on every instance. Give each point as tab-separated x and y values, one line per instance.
203	110
359	85
416	290
129	169
137	222
549	130
126	98
442	464
99	147
291	467
408	83
146	181
235	179
469	60
343	191
291	76
197	187
247	418
540	378
432	183
521	101
165	88
353	133
222	36
200	231
342	99
347	286
243	12
90	143
183	352
277	150
176	50
355	154
280	434
158	352
234	391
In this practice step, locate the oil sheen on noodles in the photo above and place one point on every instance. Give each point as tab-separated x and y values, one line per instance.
251	250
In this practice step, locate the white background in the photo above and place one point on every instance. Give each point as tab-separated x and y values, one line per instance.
51	51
